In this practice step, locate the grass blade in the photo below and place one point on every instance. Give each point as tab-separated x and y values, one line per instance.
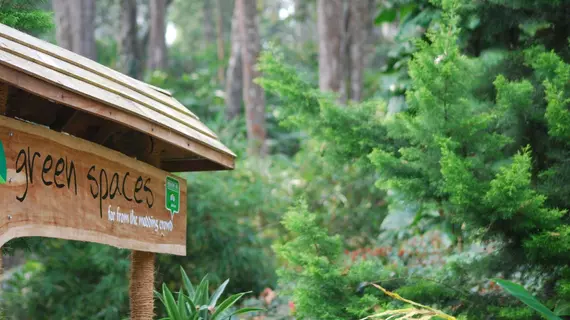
245	310
201	296
523	295
159	296
187	283
218	293
181	305
190	305
170	305
226	304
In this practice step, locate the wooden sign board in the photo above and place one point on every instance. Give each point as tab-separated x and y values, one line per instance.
58	186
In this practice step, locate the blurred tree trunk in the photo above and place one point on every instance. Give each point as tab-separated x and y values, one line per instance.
345	53
301	10
344	29
129	55
254	96
234	74
75	26
330	18
208	28
83	28
62	15
157	42
304	26
358	30
220	40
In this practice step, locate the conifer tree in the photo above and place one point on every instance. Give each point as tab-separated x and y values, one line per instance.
484	140
25	15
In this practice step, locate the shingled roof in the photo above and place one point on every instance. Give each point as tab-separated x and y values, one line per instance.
82	91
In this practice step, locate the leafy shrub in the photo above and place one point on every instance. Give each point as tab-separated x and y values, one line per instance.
69	280
480	144
323	287
26	15
523	295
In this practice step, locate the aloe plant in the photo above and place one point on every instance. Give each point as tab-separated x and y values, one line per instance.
196	303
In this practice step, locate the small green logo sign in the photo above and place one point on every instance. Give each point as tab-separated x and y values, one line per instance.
3	168
172	195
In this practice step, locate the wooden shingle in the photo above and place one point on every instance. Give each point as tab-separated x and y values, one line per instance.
34	67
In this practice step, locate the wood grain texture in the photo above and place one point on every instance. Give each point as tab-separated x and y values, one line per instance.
107	97
54	93
118	97
56	187
90	65
95	80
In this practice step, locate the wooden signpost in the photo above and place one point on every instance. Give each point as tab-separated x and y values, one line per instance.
86	153
60	186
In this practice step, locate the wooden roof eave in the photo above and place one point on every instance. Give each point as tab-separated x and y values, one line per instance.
218	160
23	55
59	75
91	66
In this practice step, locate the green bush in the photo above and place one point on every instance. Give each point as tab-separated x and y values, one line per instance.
26	15
69	280
478	147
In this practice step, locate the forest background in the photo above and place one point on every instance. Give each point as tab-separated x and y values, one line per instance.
431	137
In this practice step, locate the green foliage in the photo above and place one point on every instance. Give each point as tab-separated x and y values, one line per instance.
454	146
332	171
25	15
467	154
555	74
342	196
227	237
416	310
196	303
349	133
523	295
323	287
232	218
479	147
65	275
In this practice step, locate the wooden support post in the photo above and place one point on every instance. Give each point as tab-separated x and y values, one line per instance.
141	288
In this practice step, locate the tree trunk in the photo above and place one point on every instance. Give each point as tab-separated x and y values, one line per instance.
234	74
62	15
208	27
330	20
83	28
304	27
220	41
129	58
358	32
345	54
301	10
254	96
157	41
75	26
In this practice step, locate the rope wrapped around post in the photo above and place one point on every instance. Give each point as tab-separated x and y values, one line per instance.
141	288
